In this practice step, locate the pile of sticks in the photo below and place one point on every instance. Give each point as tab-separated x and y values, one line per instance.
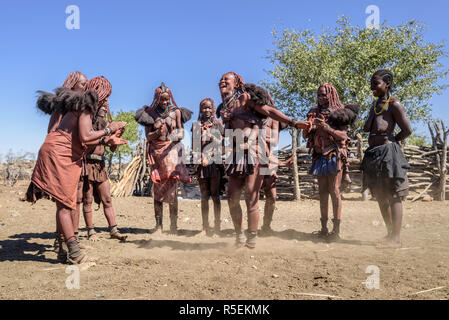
125	187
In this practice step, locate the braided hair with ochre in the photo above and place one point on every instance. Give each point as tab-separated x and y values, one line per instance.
332	96
72	79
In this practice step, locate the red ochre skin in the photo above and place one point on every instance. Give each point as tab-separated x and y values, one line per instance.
209	175
231	85
95	179
166	170
61	156
320	137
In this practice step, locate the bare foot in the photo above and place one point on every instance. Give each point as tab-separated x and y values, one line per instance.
156	231
333	237
201	234
216	234
83	258
345	186
93	238
389	245
118	236
322	234
266	231
173	232
384	239
217	231
240	241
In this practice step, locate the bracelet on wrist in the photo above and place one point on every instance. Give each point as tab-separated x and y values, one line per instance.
107	131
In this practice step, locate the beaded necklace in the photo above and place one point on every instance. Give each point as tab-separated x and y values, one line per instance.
384	107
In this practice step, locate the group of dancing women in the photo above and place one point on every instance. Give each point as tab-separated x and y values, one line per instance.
70	168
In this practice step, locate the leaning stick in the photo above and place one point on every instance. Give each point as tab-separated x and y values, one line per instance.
316	295
422	193
424	291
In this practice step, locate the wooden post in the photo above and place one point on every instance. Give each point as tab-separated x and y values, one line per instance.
119	177
360	156
144	166
443	166
439	138
296	190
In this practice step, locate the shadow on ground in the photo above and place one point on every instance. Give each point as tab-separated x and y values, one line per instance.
178	245
19	248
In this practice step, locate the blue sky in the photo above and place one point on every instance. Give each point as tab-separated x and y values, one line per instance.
138	44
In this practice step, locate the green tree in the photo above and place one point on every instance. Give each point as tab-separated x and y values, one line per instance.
418	140
346	57
131	134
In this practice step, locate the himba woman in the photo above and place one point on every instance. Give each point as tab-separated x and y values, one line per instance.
46	103
209	172
164	129
243	110
328	143
95	181
59	163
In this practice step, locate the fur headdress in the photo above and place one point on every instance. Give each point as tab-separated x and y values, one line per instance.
143	116
65	100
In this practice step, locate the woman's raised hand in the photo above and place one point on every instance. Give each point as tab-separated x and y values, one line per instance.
114	126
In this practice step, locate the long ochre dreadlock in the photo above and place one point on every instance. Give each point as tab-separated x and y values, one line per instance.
332	96
103	88
72	79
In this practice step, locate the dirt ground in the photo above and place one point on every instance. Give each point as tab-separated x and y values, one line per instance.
292	264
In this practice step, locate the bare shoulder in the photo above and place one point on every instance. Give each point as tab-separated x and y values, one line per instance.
244	98
396	105
84	113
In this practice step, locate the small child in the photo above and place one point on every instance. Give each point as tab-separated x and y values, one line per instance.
341	120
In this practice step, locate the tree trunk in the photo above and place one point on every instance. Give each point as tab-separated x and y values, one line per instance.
296	190
443	167
439	137
110	164
119	166
144	166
